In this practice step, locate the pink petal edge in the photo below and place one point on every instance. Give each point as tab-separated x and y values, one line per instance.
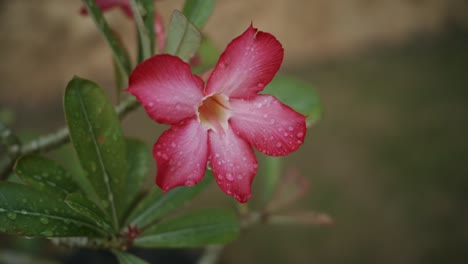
247	65
233	163
271	126
181	154
166	88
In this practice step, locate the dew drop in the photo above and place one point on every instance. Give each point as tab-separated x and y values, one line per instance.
11	216
260	85
300	134
299	142
272	121
278	145
290	128
150	104
286	134
189	183
44	220
173	145
229	177
220	177
265	115
239	177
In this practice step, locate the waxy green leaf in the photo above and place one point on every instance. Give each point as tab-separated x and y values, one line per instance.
198	11
297	94
89	209
118	51
45	175
138	158
98	140
157	205
195	229
208	55
183	39
272	171
127	258
27	211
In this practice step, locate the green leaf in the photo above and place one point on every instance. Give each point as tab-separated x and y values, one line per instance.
183	37
143	14
127	258
118	51
99	143
45	175
208	54
195	229
157	205
297	94
89	209
138	158
26	211
198	11
272	172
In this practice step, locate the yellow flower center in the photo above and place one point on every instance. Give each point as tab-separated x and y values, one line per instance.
213	113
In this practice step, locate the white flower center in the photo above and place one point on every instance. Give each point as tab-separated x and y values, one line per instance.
213	113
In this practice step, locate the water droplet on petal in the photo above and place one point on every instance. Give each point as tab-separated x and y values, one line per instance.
260	85
278	145
300	134
229	177
272	121
290	128
150	104
189	183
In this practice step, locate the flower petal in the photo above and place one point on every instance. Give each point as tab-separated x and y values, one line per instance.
233	162
247	65
272	127
181	154
167	89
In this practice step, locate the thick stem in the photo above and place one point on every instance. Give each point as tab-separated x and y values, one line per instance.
49	141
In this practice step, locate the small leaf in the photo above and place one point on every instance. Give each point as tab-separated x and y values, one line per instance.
195	229
26	211
90	210
208	54
45	175
127	258
98	140
272	172
138	158
198	11
183	39
156	205
297	94
118	51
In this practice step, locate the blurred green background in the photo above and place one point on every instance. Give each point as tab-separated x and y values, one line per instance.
388	161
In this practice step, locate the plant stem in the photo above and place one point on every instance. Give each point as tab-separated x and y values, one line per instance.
142	32
49	141
211	254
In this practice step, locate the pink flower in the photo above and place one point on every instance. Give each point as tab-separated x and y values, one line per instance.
220	122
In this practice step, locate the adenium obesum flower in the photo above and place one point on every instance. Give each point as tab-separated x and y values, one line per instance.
218	123
124	5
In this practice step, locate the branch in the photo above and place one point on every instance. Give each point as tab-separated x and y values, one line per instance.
46	142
